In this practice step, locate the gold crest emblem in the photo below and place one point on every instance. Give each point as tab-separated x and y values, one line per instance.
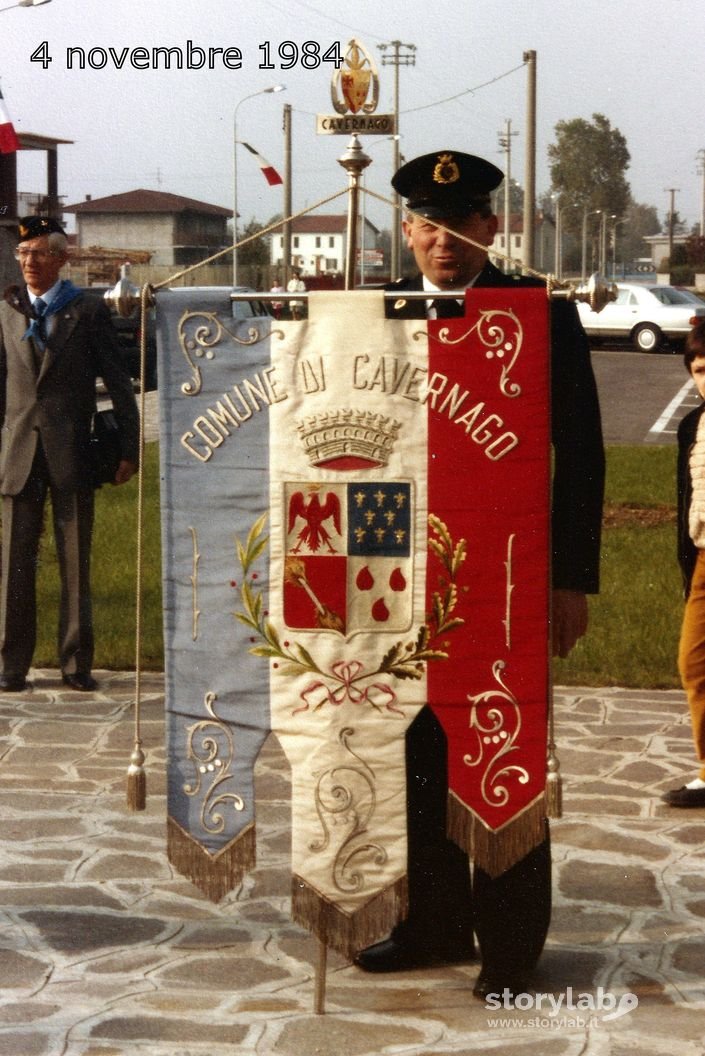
446	170
355	87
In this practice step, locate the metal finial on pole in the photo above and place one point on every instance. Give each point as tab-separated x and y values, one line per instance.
354	161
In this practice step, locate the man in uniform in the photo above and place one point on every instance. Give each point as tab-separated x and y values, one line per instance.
509	913
54	342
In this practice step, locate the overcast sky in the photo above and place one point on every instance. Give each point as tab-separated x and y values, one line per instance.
639	62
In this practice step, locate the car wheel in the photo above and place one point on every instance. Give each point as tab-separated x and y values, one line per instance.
647	338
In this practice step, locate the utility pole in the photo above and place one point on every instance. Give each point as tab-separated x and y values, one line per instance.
397	58
530	164
671	221
505	142
286	230
701	170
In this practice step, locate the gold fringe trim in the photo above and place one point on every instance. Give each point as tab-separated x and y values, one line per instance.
496	851
345	932
214	875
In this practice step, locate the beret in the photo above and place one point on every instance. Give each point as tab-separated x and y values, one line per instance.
36	226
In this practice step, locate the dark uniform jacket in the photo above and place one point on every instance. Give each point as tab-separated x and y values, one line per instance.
687	550
579	463
52	396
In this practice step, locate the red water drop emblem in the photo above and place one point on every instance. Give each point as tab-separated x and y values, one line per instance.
380	612
397	580
364	580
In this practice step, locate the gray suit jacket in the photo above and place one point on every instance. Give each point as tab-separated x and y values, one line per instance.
56	401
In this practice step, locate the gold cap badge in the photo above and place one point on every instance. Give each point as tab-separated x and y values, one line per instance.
446	170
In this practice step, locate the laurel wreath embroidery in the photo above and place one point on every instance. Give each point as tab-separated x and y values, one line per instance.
348	679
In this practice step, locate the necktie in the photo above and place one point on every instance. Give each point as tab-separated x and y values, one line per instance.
448	308
40	331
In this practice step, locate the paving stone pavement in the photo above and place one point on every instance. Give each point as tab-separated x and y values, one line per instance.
106	951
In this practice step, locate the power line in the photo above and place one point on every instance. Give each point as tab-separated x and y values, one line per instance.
440	102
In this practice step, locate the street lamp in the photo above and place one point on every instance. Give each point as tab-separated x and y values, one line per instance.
558	238
262	91
602	260
586	214
613	243
25	3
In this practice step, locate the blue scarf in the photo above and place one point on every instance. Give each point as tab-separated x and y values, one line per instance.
66	293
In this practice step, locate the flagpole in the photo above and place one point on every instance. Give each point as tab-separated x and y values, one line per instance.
354	161
262	91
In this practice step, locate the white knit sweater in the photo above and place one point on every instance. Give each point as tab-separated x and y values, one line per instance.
696	514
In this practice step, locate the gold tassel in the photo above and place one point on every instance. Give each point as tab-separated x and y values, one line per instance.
136	780
554	785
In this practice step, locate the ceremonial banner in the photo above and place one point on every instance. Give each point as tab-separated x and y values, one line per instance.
355	524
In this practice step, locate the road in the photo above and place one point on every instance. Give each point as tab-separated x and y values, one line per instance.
643	397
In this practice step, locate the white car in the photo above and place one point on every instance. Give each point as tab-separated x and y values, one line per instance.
649	315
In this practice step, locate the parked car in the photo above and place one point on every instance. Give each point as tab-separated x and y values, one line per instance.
251	307
127	329
648	315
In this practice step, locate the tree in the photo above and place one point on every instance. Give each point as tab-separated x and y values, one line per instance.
638	222
588	165
257	251
516	198
679	226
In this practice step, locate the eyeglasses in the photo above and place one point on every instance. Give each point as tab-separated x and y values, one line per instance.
38	254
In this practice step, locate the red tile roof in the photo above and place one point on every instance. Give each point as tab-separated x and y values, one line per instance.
142	201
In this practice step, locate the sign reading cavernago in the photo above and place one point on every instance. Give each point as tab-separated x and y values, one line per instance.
355	524
355	97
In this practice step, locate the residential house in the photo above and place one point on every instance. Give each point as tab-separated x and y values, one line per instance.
319	244
175	231
544	241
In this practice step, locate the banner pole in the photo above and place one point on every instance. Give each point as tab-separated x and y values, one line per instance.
319	1001
354	161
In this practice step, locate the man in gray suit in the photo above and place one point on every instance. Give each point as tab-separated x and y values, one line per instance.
54	342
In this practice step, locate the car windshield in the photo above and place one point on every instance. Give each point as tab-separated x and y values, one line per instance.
670	295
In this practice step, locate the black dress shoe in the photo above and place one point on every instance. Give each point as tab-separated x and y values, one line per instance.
391	955
12	683
685	797
504	985
83	683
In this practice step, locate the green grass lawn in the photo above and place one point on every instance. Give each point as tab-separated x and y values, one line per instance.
114	575
634	622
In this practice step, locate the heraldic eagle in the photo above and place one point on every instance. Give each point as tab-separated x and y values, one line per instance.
314	534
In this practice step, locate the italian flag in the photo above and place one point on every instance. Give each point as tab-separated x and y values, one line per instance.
268	171
9	142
